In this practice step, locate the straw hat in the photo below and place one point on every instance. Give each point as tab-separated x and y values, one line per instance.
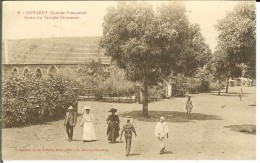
87	108
112	110
70	108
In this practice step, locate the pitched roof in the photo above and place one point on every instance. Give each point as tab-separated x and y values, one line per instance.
77	50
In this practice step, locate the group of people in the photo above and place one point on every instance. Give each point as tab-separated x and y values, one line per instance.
113	128
87	123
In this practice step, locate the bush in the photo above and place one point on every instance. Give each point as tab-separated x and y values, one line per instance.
205	78
193	85
214	86
179	86
155	93
31	100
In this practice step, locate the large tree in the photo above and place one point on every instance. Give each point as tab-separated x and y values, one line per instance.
150	44
237	40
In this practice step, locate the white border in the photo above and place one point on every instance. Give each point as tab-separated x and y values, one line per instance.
193	161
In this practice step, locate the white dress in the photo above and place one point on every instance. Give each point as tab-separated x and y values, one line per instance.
88	128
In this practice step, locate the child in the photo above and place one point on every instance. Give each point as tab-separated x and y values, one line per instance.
128	128
240	94
161	132
70	122
189	105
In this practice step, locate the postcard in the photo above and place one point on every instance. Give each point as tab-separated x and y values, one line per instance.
129	80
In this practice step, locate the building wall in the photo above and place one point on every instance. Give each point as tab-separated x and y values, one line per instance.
45	70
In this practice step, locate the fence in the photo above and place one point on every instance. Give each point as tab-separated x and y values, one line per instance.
126	99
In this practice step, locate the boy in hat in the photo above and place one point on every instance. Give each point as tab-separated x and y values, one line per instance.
128	128
70	122
161	132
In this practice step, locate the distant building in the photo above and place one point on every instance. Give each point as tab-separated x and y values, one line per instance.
50	56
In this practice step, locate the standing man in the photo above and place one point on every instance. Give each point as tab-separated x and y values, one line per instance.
161	132
70	122
128	128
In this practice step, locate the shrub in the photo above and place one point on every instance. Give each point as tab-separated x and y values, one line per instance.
193	85
155	93
205	78
31	100
214	86
179	86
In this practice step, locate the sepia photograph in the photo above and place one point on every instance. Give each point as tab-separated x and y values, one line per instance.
129	80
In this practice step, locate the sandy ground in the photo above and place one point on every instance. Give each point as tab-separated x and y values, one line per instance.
208	134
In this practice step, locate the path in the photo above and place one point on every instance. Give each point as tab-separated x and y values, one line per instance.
208	134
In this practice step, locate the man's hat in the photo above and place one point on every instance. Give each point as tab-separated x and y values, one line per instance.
112	110
70	108
87	108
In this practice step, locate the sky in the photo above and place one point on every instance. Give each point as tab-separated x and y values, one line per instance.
15	26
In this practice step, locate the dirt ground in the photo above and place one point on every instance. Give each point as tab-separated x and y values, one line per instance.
211	132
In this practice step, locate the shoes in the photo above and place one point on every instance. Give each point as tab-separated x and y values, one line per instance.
70	140
126	154
164	150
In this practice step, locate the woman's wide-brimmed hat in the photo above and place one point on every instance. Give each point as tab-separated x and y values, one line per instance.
70	108
112	110
87	108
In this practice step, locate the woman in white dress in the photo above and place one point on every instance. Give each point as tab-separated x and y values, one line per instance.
87	122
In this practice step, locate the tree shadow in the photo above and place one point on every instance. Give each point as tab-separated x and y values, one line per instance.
252	105
171	116
234	94
245	128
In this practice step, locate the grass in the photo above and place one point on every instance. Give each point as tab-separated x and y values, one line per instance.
171	116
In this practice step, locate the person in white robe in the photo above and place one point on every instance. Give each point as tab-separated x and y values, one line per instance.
88	125
162	133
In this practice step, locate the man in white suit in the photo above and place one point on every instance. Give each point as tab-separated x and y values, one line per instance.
162	133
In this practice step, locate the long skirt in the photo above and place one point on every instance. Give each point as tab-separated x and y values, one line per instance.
113	131
88	131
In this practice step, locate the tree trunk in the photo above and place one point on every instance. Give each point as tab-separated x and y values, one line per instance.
145	98
227	85
219	87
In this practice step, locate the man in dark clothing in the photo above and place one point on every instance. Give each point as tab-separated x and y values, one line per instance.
70	122
128	128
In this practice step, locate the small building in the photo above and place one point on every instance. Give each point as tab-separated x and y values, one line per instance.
51	56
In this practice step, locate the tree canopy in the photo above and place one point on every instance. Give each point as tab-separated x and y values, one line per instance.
237	37
153	43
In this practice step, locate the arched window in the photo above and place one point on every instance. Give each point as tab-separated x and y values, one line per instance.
15	70
26	71
38	72
80	70
53	70
67	71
